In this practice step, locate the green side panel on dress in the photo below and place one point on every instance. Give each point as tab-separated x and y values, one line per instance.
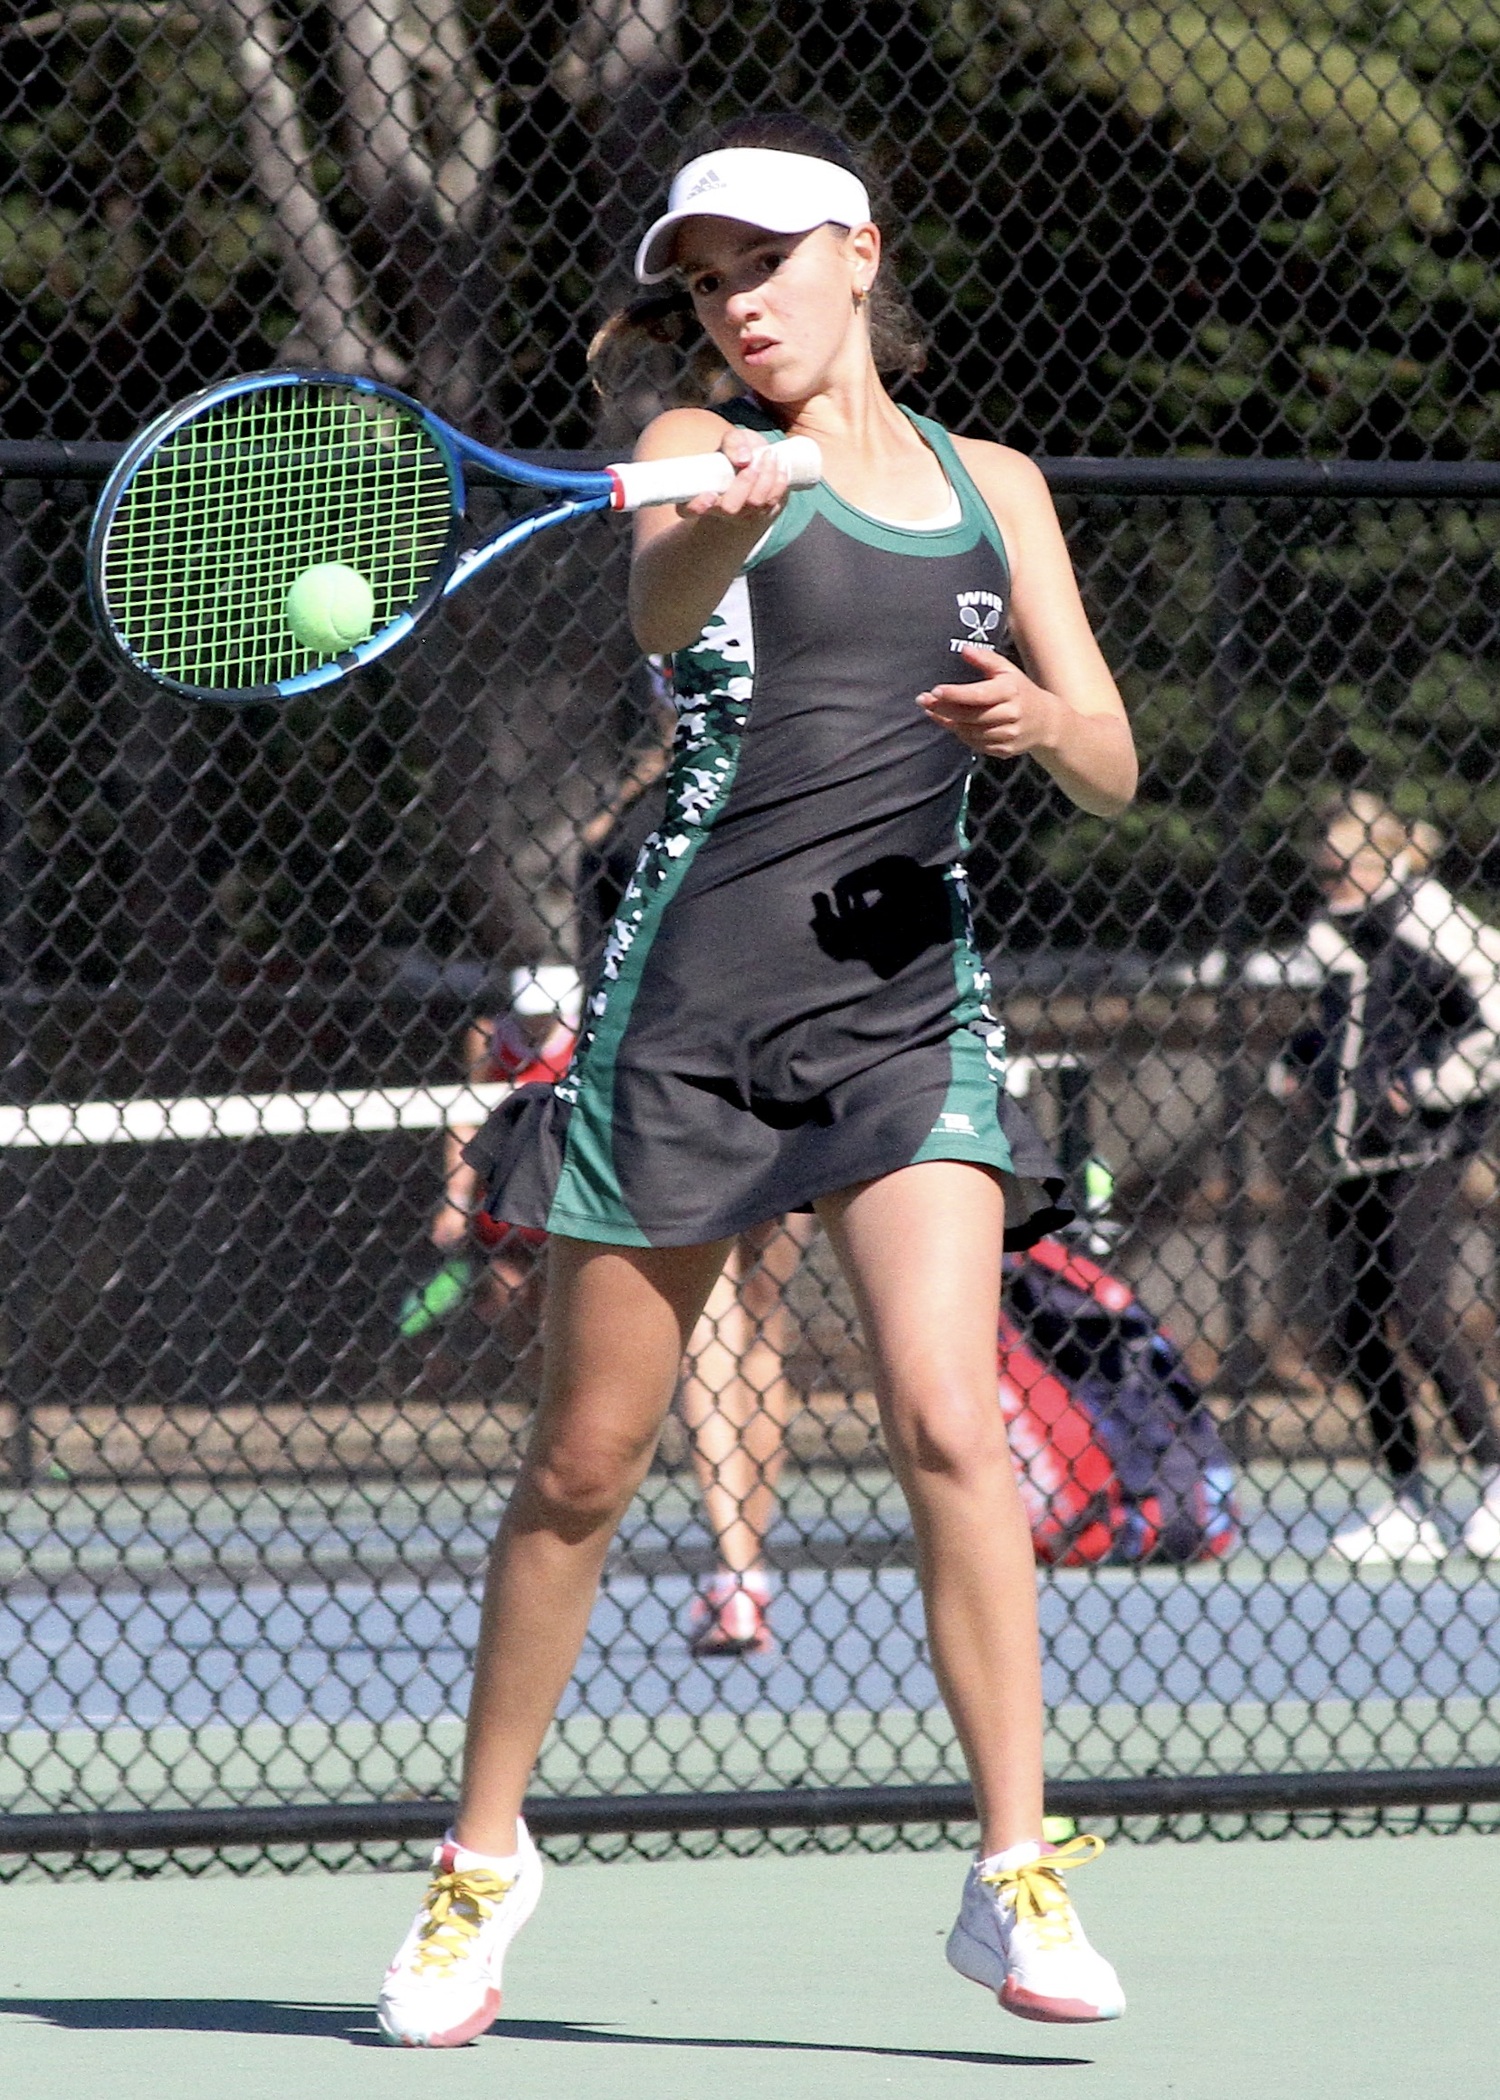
713	681
968	1124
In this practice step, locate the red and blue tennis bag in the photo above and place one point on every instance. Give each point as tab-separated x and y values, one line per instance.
1119	1459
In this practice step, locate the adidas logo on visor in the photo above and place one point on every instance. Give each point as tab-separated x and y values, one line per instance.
759	186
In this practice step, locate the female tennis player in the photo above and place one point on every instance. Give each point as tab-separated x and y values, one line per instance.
791	1014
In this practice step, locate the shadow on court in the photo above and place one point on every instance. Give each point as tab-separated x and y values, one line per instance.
355	2024
570	2031
338	2023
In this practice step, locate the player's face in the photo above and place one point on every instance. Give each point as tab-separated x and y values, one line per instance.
780	308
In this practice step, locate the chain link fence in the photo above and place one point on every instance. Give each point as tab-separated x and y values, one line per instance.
261	1383
1128	230
246	1511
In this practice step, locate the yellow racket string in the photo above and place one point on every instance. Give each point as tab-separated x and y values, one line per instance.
228	510
1041	1900
458	1903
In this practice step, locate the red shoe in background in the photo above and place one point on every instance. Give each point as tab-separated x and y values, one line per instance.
729	1616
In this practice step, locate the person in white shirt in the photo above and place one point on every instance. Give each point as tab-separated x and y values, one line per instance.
1404	1058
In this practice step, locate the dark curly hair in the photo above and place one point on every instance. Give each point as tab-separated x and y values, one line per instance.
664	313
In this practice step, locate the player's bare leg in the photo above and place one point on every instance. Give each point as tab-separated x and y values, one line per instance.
617	1322
922	1249
922	1252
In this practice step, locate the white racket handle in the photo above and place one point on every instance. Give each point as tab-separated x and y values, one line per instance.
643	481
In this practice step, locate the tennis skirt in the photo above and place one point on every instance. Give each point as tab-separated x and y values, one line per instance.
666	1160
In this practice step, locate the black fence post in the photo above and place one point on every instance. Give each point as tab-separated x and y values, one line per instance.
1075	1142
18	1378
1243	1360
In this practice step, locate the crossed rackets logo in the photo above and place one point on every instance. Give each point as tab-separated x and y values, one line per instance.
980	614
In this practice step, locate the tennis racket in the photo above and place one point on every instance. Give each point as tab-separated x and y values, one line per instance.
223	504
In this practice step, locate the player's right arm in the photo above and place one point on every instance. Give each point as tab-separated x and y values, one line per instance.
685	559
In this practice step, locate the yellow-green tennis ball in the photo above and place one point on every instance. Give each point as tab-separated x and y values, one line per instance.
330	607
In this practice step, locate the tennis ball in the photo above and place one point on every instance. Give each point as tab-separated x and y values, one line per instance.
330	607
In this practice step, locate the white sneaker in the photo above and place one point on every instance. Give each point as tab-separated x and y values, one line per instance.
1400	1531
1482	1533
1018	1934
443	1988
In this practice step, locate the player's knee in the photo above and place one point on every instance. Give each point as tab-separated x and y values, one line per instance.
949	1428
583	1481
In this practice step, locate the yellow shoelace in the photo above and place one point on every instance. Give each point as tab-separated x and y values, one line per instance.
457	1905
1038	1892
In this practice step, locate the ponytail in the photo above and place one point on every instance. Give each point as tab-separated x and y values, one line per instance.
661	315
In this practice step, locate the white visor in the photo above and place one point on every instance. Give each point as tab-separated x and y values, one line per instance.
782	192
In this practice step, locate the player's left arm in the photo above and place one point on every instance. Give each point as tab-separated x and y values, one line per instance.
1059	705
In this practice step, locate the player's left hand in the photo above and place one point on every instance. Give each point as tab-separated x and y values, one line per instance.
1002	714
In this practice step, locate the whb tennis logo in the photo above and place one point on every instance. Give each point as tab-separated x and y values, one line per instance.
979	614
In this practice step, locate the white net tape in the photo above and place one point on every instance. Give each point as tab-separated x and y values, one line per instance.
247	1115
240	1116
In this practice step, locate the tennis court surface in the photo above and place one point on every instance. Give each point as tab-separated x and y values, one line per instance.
1339	1969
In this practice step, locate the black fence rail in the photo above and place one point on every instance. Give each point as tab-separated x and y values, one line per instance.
261	1391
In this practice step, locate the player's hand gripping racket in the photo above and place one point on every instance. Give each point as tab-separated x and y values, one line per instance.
275	532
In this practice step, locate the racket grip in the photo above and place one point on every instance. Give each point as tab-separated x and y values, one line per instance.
642	481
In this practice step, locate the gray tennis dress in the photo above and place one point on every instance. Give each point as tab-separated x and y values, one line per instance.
790	999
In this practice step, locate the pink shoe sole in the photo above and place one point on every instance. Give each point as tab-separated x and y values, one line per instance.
452	2037
730	1625
1058	2012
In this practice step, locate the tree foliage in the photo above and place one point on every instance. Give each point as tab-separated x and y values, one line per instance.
1160	228
1253	228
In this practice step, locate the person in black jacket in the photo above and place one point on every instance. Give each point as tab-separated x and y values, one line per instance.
1404	1060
